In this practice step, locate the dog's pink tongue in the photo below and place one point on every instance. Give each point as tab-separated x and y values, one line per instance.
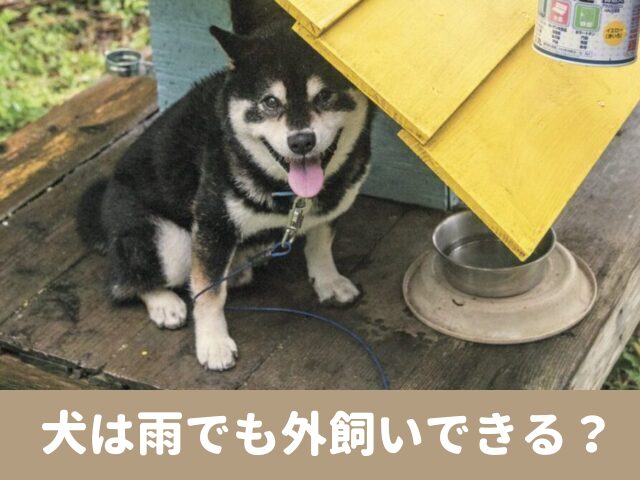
306	178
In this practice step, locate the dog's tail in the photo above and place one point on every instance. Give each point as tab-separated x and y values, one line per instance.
89	217
249	16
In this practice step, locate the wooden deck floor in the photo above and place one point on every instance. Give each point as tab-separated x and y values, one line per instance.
56	316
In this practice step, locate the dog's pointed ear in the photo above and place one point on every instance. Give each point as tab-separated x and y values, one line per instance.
235	46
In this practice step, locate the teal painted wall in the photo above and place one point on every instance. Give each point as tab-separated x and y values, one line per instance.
183	52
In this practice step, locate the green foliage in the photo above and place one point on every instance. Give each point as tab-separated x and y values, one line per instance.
626	373
129	11
51	50
125	9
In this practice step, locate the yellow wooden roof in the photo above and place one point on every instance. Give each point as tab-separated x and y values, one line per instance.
417	59
512	133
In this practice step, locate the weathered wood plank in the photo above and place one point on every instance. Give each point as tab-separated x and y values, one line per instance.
18	375
317	356
602	225
609	342
39	242
171	360
41	153
71	321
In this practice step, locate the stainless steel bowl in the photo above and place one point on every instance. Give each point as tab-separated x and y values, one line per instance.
476	262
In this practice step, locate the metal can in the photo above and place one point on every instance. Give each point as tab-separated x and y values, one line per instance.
588	32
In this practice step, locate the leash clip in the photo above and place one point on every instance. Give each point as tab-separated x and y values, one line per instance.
296	217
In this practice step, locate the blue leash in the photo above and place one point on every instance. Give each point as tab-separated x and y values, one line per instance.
278	251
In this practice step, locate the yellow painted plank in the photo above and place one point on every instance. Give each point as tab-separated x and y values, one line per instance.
520	147
318	15
418	60
514	134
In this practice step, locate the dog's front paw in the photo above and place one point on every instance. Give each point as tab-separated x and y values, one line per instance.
217	353
166	309
336	290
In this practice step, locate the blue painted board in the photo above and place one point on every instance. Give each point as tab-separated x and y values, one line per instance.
184	51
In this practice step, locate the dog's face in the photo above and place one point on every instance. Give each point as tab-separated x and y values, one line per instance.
294	113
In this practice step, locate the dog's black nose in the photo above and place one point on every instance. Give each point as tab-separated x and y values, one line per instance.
302	143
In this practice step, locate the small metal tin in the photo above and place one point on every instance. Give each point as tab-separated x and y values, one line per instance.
124	62
476	262
588	32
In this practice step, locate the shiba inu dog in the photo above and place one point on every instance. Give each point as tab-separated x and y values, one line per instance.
193	196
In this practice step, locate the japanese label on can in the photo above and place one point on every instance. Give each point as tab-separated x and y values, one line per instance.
590	32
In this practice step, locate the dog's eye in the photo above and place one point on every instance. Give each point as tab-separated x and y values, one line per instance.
323	97
271	103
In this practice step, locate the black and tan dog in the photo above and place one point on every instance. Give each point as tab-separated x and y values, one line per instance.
193	195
